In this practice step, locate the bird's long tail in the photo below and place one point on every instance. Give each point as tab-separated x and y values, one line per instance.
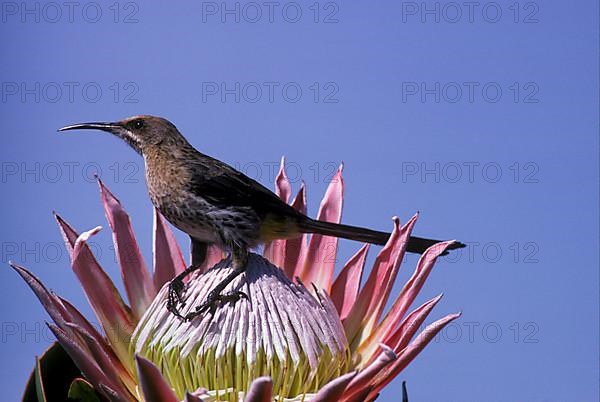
415	244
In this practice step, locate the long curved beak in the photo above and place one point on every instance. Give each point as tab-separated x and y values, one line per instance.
110	127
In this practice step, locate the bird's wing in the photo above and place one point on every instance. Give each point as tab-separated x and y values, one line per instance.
224	186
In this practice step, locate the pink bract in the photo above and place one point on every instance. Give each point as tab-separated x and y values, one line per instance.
381	343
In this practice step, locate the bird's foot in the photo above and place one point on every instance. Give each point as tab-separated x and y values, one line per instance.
175	291
215	300
175	297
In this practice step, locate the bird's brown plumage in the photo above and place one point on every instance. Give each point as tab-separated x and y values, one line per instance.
214	203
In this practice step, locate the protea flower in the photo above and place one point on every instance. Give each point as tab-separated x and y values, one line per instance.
300	335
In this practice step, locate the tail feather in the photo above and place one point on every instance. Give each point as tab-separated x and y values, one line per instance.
415	244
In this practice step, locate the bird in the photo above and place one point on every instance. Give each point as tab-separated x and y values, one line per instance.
213	203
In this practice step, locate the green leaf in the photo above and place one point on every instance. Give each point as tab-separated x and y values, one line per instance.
51	376
82	391
39	384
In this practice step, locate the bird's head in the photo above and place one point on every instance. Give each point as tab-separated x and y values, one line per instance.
140	132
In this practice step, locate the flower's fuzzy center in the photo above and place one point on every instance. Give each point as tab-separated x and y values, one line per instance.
281	331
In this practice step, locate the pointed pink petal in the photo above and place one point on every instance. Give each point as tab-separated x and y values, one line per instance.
153	385
108	362
168	260
68	233
283	189
411	351
79	321
319	261
299	203
275	251
364	379
103	296
411	289
65	315
52	305
260	390
406	297
373	296
138	284
77	318
366	296
86	364
345	287
334	389
390	272
70	237
296	247
400	338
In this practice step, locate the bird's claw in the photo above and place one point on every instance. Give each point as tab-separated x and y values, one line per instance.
175	296
215	300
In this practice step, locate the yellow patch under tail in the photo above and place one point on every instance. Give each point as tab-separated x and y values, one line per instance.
276	227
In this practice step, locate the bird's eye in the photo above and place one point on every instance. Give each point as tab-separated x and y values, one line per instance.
138	124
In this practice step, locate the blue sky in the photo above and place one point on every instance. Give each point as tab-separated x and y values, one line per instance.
483	118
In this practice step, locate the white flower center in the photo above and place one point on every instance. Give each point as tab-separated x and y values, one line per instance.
281	331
